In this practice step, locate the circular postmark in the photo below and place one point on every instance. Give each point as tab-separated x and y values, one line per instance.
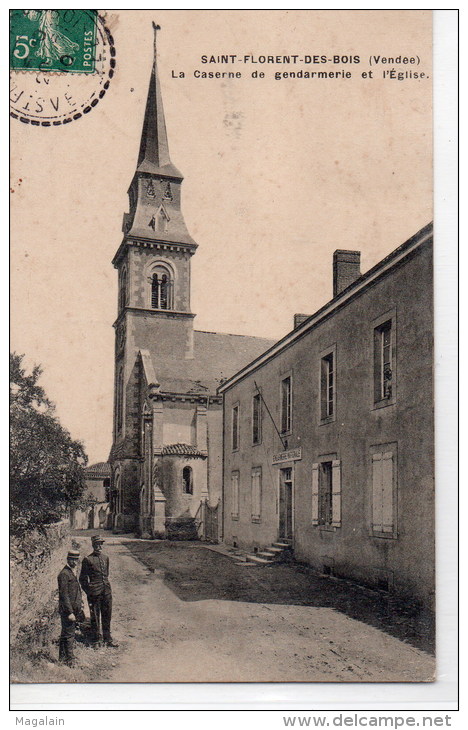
61	64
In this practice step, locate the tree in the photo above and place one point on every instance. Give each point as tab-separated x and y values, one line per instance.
46	464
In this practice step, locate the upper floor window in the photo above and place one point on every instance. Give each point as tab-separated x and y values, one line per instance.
384	367
161	288
286	405
235	427
257	419
328	386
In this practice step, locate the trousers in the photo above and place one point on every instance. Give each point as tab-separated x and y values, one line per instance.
67	640
100	610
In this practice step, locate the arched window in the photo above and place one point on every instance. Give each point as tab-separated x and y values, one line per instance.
187	480
119	400
161	289
123	289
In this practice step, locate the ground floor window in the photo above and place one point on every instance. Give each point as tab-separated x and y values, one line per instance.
256	493
235	495
326	493
384	493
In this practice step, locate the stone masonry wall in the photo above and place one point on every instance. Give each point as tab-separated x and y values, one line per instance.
35	561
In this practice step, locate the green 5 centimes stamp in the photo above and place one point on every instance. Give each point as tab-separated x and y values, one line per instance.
53	40
61	64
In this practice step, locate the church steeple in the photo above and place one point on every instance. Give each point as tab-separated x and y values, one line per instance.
154	155
155	191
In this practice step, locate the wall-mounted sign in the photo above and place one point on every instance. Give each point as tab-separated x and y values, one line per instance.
291	455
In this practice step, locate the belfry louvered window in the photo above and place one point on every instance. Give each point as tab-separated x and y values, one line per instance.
161	289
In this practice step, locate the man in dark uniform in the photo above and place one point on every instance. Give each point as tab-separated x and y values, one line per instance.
94	579
70	607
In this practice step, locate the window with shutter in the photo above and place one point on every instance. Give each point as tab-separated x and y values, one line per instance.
256	493
235	495
256	419
315	494
328	386
383	493
336	493
384	362
286	405
326	493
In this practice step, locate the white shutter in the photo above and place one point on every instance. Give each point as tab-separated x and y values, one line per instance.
377	492
336	493
256	492
387	492
235	494
315	491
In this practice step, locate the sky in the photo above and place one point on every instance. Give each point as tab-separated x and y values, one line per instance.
278	174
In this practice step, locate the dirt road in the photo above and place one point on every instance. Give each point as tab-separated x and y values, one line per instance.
184	613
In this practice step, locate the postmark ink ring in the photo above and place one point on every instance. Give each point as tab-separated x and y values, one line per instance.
61	65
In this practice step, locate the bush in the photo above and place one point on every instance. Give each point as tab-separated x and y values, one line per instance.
46	464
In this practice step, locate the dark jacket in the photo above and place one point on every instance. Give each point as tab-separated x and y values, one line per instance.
94	576
70	599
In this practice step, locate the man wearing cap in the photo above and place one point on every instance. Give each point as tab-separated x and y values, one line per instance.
70	607
94	579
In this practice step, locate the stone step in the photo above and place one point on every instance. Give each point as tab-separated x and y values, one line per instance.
267	554
257	560
282	545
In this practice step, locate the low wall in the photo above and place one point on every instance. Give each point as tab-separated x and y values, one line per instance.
35	561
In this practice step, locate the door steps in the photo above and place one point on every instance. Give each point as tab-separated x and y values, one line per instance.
278	552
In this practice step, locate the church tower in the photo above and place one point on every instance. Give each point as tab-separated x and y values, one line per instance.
153	264
166	456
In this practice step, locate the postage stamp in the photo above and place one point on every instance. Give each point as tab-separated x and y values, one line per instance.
61	64
53	40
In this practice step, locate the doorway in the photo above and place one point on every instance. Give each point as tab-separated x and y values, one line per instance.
286	504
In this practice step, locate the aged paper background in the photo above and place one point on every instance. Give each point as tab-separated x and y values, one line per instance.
278	174
49	289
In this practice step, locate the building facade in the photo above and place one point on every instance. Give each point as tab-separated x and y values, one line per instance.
166	455
97	495
329	434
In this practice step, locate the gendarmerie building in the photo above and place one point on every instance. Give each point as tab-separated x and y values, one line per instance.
329	434
166	456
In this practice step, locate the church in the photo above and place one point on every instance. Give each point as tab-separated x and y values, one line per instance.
166	455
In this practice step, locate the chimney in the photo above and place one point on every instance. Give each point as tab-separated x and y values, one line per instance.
346	269
299	319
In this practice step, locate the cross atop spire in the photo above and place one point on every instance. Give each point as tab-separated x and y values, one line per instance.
154	148
155	28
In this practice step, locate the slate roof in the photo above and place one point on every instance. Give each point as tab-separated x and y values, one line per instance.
217	356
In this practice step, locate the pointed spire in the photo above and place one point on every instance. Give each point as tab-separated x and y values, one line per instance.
154	148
